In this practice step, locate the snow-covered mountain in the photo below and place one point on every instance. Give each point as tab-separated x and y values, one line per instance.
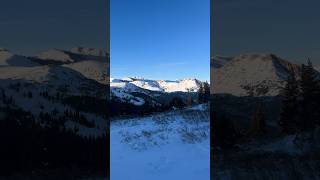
88	51
128	88
37	86
9	59
55	55
184	85
253	74
59	56
95	70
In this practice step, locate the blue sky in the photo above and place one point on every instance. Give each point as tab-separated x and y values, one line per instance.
288	28
160	39
28	27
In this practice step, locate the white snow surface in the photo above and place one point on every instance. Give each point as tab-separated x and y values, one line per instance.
173	145
88	51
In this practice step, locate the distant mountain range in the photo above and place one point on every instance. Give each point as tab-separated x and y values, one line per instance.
138	90
57	82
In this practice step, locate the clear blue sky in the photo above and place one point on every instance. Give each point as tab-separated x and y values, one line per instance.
288	28
30	26
160	39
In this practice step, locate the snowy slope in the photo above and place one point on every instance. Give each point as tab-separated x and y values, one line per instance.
55	55
172	145
95	70
253	74
9	59
59	56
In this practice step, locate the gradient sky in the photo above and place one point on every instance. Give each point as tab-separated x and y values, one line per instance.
30	26
288	28
160	39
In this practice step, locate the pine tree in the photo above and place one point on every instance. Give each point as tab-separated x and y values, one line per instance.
206	92
289	115
310	95
190	100
200	94
223	131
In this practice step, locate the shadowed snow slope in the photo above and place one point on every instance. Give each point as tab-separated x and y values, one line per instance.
9	59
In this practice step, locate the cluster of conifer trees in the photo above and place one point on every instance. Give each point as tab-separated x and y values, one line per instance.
301	101
204	93
36	146
32	149
300	110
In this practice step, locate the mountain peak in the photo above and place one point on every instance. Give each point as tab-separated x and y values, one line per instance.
55	55
184	85
257	74
88	51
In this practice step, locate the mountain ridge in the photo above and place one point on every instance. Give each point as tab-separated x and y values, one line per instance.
253	74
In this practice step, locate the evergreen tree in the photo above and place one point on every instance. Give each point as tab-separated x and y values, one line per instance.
204	93
201	94
310	96
177	102
190	100
223	131
289	115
